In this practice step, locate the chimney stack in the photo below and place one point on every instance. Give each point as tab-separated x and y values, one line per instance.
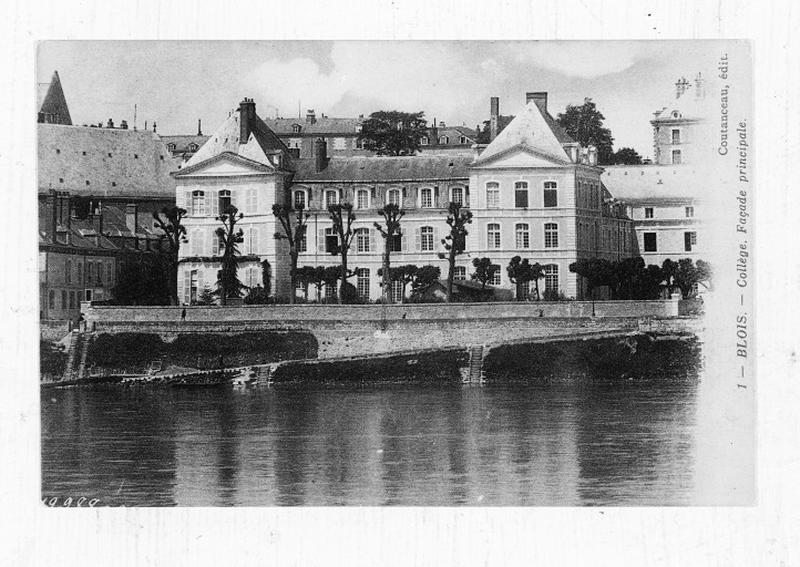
131	217
247	114
311	116
124	125
700	86
154	126
110	123
199	129
52	214
540	98
681	86
494	117
320	154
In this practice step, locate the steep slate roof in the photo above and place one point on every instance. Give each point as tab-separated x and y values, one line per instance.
54	105
262	142
138	167
385	169
638	184
454	132
182	142
323	125
532	128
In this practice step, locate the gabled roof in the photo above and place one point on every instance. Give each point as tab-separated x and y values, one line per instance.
385	169
257	165
70	156
321	126
261	143
53	109
533	129
182	142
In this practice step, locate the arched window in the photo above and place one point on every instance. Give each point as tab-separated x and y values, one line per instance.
198	203
457	195
296	128
362	283
493	235
426	238
551	235
523	236
224	200
331	197
171	147
299	200
521	195
492	195
362	199
393	197
551	278
550	194
444	140
192	147
426	197
423	141
362	239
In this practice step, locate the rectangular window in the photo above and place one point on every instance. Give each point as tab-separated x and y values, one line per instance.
648	212
68	271
492	196
457	195
193	291
650	242
331	241
362	283
396	292
224	200
72	300
493	235
496	278
331	198
362	199
339	143
550	194
302	244
550	235
426	238
676	136
198	203
521	195
396	243
426	198
51	299
362	240
252	201
676	157
551	278
689	212
523	236
393	197
460	273
689	241
63	299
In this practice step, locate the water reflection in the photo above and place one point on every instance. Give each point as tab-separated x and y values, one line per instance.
573	443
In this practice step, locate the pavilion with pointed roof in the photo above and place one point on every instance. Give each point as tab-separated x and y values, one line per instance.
53	107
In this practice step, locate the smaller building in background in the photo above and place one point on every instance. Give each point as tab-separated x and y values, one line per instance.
677	125
442	138
341	134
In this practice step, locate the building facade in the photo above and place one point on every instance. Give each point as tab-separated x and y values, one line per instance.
533	192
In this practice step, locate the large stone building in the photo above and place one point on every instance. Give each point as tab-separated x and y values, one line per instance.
97	189
533	192
665	198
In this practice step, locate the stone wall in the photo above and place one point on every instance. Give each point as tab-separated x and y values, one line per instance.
358	330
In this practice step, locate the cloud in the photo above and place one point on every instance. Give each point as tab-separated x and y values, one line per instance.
580	59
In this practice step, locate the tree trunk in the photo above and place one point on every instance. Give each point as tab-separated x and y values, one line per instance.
343	281
386	262
292	273
173	283
451	269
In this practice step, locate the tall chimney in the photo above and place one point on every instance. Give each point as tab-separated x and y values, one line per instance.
199	129
131	217
52	214
124	125
494	117
700	86
154	126
311	116
320	154
540	98
680	87
247	114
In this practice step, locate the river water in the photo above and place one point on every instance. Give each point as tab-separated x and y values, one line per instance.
584	441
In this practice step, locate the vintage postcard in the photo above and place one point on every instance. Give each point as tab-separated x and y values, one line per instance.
306	273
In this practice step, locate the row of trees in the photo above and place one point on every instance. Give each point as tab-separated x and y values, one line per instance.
631	279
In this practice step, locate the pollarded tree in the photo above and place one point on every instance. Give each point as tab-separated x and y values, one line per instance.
424	278
293	225
169	221
343	218
688	275
520	274
392	214
484	270
456	241
406	275
331	276
584	124
393	133
228	284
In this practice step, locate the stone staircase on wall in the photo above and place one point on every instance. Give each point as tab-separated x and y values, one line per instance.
476	373
77	352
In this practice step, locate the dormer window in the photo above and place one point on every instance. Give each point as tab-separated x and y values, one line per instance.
463	140
444	140
171	147
423	141
296	128
192	147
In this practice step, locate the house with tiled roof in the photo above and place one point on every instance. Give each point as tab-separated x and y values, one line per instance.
442	138
299	134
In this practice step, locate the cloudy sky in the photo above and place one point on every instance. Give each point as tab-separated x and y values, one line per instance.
175	83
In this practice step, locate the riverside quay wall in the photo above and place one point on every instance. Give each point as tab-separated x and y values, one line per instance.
359	330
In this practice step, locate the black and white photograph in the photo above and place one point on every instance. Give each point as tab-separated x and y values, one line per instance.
339	278
395	284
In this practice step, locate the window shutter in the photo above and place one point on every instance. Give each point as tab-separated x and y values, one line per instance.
214	204
373	194
466	196
309	193
404	242
321	241
435	196
187	286
436	242
188	199
254	237
417	202
200	281
372	245
418	239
